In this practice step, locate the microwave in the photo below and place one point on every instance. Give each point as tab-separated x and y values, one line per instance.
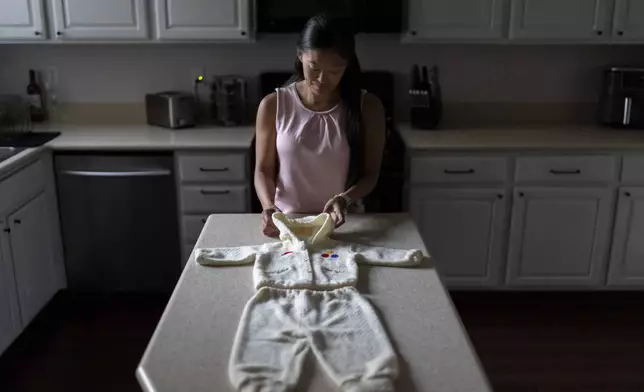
367	16
622	98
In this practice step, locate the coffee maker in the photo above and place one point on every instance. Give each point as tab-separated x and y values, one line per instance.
622	98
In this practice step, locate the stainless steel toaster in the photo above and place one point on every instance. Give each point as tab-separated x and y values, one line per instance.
171	109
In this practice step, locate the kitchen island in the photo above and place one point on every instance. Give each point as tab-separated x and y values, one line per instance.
190	348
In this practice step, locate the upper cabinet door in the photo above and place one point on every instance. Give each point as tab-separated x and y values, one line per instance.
561	19
21	19
456	19
628	24
203	19
100	19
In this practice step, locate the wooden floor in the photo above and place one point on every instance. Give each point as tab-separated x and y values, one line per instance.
527	342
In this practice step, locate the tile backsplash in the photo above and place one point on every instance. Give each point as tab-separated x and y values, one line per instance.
120	73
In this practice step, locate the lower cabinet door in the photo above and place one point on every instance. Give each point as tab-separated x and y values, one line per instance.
559	237
10	324
464	232
627	252
33	259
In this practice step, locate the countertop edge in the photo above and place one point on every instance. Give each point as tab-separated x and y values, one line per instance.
18	160
144	380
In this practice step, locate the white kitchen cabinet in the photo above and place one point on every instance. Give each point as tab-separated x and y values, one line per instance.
627	252
587	20
203	19
559	237
464	230
10	324
100	19
456	19
31	262
211	182
21	19
33	256
628	20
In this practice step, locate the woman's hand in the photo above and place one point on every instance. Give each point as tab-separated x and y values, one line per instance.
268	227
337	208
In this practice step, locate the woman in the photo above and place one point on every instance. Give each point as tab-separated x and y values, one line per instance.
320	138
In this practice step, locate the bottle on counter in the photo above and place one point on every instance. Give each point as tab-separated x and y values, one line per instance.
35	99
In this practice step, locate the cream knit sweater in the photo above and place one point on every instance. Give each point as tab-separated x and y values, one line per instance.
306	258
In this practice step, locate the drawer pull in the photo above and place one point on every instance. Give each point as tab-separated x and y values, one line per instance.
213	170
207	192
468	171
553	171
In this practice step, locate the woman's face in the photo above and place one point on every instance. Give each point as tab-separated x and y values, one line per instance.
323	70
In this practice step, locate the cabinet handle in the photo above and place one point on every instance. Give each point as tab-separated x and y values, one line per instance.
214	169
413	32
557	172
620	33
243	33
58	33
599	32
7	230
207	192
628	194
521	194
37	33
499	196
468	171
17	221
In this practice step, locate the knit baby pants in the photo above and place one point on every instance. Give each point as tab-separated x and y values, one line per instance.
279	327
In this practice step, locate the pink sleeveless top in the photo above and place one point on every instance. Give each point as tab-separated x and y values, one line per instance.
312	151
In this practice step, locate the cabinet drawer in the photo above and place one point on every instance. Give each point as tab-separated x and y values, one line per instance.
633	170
19	187
211	167
192	226
211	199
566	169
458	169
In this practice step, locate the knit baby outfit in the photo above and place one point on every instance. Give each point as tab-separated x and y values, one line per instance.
306	301
306	258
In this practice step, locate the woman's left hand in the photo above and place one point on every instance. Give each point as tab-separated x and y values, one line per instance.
337	208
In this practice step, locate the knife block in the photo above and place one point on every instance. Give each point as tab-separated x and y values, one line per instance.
427	117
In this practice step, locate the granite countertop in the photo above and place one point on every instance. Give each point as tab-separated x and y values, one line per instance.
146	137
190	348
522	137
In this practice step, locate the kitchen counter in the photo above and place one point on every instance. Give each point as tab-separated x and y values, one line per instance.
135	138
528	137
145	137
190	348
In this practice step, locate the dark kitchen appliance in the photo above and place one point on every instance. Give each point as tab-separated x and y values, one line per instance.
622	98
229	99
364	16
119	222
171	109
426	100
388	194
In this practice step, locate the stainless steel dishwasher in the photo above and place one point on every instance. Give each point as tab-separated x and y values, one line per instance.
119	222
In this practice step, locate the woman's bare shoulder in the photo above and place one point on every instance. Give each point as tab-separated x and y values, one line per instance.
268	103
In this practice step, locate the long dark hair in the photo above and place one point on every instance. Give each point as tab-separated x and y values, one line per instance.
325	32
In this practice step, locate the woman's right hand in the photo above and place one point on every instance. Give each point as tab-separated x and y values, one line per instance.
268	227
